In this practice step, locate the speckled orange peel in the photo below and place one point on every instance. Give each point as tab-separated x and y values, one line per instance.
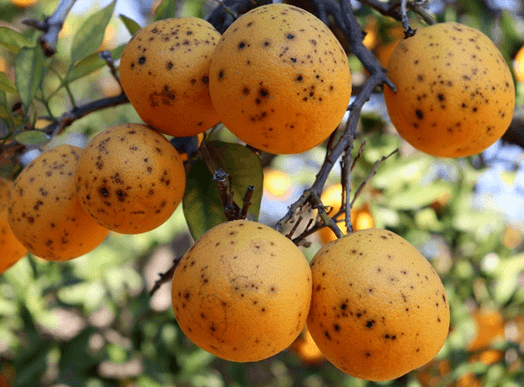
130	179
378	308
11	250
279	79
242	291
164	71
44	212
455	93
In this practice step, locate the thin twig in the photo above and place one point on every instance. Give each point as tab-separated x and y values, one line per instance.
246	201
371	173
408	32
346	189
220	177
392	9
289	235
359	154
106	56
165	277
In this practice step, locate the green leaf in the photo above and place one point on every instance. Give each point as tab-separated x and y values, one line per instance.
31	137
202	203
395	173
6	85
132	26
3	112
511	37
165	10
29	71
92	63
419	196
91	34
507	274
12	40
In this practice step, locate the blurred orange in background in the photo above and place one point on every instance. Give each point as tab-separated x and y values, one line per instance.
489	328
361	217
277	184
306	349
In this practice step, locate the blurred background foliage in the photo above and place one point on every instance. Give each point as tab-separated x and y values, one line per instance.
91	321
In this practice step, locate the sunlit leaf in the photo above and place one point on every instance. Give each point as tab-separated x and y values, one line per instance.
419	196
165	10
29	71
507	275
407	171
92	63
91	34
6	84
31	137
12	40
202	205
131	25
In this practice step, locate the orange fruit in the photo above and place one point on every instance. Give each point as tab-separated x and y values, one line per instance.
371	37
455	94
44	211
385	51
242	291
306	349
518	65
512	237
468	380
431	374
378	309
277	184
164	71
24	3
361	217
12	250
490	327
130	179
279	79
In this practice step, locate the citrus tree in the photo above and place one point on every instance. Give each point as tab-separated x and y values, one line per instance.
235	192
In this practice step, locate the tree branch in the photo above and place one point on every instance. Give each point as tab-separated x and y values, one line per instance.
51	26
74	114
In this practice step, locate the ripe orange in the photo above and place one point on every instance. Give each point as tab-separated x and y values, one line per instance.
242	291
279	79
24	3
12	250
361	217
277	184
306	349
455	94
490	327
164	71
379	309
518	65
44	211
130	179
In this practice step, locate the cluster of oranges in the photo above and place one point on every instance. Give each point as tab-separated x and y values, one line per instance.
279	80
129	179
